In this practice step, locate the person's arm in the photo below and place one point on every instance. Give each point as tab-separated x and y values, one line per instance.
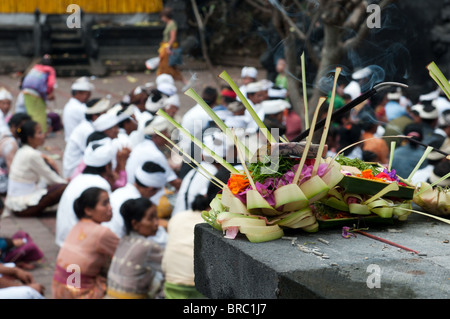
23	278
176	183
44	170
120	175
8	152
172	37
17	273
51	80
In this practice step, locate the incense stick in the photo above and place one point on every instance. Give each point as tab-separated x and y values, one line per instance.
384	240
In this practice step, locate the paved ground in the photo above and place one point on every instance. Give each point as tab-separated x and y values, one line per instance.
42	229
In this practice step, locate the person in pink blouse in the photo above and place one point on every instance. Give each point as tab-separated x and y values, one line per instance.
83	261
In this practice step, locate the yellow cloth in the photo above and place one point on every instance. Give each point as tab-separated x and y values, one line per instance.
164	66
178	259
37	109
114	294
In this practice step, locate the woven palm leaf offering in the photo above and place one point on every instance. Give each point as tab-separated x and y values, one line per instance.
378	194
433	197
293	185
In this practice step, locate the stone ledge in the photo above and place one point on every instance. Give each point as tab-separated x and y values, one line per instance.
238	269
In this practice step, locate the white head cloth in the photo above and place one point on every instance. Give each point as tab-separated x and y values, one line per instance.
150	179
249	71
5	94
106	121
82	84
99	153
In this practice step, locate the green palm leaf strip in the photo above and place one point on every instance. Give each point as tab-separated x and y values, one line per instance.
327	124
191	93
305	94
423	158
439	78
224	75
206	173
197	142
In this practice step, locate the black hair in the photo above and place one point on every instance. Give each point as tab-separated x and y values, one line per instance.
95	136
349	136
88	199
95	170
414	127
26	130
18	118
89	104
369	156
427	107
442	168
46	60
436	142
150	167
134	209
201	202
210	95
167	12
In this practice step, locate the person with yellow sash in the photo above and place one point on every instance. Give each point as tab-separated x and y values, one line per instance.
169	50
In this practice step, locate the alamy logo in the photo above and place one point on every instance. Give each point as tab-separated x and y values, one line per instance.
374	279
73	20
374	19
74	280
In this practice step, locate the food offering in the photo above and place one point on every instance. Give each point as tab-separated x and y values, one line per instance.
366	189
293	185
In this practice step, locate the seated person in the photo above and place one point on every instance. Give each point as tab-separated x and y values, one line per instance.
135	271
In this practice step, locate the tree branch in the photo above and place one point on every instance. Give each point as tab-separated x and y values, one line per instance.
260	5
363	30
201	29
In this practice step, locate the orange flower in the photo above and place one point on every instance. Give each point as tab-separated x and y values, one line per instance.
237	183
367	173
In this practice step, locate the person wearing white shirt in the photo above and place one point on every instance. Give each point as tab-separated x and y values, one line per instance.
126	121
249	74
74	150
98	172
5	106
149	179
256	93
195	182
148	150
195	121
74	110
34	183
9	144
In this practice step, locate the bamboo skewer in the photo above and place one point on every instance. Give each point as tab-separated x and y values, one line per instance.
327	124
305	94
308	141
384	240
349	106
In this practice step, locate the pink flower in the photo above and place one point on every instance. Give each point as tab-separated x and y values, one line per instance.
346	232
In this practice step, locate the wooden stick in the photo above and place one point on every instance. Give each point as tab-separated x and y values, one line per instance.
384	240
